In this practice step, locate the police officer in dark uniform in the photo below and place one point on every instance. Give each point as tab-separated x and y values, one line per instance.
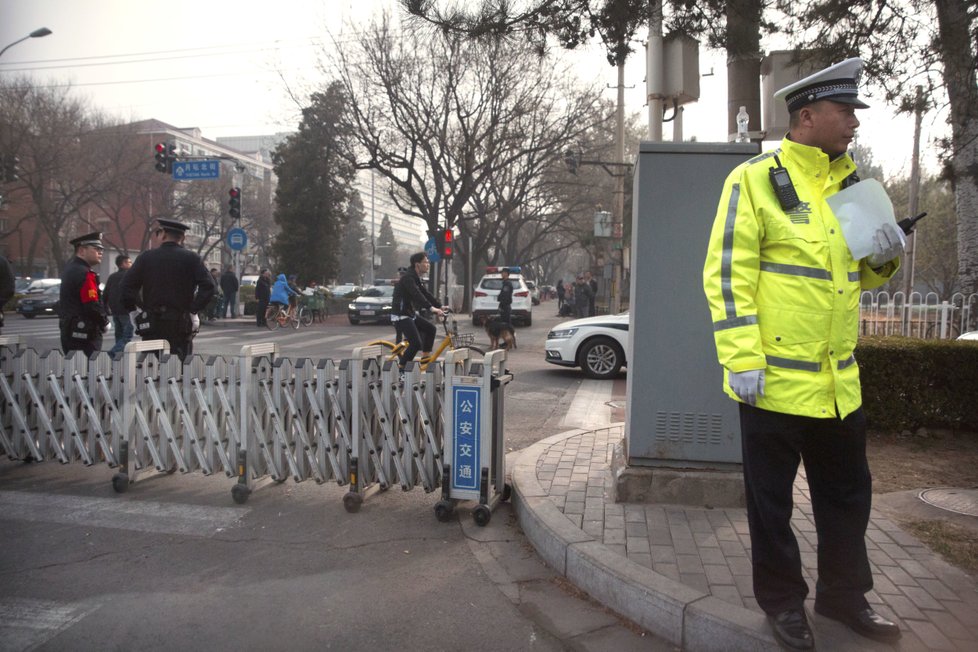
169	285
7	285
81	312
505	297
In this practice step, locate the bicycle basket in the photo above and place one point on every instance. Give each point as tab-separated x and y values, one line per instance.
463	340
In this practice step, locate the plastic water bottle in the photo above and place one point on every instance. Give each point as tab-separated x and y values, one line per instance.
742	120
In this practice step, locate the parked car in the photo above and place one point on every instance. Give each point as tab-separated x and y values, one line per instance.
372	305
344	289
598	345
41	284
970	335
42	302
534	293
485	302
20	284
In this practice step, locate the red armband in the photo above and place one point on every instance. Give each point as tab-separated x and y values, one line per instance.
89	289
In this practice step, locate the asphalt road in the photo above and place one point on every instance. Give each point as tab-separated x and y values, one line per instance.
173	564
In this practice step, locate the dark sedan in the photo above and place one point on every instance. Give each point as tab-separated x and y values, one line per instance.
372	305
44	302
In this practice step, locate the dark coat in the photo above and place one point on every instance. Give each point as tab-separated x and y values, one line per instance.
263	290
167	278
506	294
112	294
79	295
410	296
229	282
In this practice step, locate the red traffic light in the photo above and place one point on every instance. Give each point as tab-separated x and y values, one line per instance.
448	244
160	147
234	202
234	192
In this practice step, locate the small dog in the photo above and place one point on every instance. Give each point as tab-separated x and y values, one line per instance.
500	332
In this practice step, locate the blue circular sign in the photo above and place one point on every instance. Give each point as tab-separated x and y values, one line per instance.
237	239
431	250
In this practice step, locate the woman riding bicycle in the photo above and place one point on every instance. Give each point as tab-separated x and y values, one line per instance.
410	297
281	292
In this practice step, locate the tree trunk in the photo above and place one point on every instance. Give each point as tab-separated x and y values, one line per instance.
743	62
957	53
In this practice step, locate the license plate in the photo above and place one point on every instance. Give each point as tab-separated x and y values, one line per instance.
368	312
27	308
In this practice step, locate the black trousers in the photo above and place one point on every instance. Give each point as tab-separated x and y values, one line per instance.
181	342
840	485
506	313
420	334
260	315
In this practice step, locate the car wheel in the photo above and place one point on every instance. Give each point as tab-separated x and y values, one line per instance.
355	322
29	316
601	358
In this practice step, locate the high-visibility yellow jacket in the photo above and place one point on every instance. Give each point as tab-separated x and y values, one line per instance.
784	289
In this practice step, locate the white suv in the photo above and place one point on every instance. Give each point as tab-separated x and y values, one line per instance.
485	302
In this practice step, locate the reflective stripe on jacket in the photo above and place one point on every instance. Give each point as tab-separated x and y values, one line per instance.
783	288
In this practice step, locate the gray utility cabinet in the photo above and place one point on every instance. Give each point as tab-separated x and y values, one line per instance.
678	415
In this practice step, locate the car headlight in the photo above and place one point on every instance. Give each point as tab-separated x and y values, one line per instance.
352	306
561	334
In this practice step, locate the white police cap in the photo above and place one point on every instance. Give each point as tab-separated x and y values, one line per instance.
839	83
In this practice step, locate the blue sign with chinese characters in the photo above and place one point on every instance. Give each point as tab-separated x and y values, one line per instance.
237	239
466	468
190	170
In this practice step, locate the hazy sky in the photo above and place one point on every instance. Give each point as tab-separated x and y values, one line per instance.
225	66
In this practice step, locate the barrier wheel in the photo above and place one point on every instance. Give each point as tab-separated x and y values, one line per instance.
507	492
240	493
120	482
443	511
352	502
481	515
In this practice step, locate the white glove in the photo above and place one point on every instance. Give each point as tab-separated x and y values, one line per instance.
747	385
133	316
195	321
887	245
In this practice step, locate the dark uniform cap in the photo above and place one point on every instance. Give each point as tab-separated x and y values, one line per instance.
173	225
839	83
88	239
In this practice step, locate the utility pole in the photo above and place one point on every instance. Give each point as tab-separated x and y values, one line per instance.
913	199
373	248
617	219
654	72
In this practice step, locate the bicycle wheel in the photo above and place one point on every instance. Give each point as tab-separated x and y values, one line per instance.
294	319
305	316
271	318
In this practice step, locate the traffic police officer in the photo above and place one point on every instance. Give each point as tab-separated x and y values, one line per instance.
783	290
505	297
170	285
81	313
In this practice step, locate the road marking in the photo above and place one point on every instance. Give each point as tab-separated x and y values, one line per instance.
26	624
589	407
119	513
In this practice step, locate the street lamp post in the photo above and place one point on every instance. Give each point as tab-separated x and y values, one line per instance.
37	33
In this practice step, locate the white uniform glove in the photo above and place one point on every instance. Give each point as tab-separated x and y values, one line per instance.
195	321
133	316
747	385
887	245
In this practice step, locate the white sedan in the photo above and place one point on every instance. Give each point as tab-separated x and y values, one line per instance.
598	345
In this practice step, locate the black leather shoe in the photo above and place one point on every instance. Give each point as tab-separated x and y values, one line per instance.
791	628
863	621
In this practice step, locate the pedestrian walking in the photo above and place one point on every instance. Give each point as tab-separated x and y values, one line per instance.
263	294
81	313
560	294
229	288
215	308
112	297
783	290
171	286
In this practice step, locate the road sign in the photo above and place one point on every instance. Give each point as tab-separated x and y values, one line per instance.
431	249
467	439
190	170
237	239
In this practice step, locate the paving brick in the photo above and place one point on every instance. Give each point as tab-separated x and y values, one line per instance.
949	626
878	536
634	514
915	569
663	554
695	580
594	528
739	565
895	551
727	594
730	548
745	585
641	558
669	570
712	556
903	607
636	529
660	537
880	558
921	598
689	563
882	584
637	545
898	576
705	540
929	635
614	536
938	589
618	549
964	612
718	574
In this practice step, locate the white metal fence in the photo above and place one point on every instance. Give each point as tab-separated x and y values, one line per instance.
922	316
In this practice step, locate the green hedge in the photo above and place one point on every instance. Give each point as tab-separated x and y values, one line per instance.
911	383
246	295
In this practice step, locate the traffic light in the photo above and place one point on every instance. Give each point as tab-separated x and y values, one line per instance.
11	169
447	244
234	202
171	157
161	157
572	160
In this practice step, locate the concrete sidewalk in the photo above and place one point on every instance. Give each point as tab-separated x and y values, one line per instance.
685	573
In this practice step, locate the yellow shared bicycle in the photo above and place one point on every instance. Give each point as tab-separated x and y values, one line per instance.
451	340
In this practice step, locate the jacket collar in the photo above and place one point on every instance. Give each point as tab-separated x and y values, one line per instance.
815	163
